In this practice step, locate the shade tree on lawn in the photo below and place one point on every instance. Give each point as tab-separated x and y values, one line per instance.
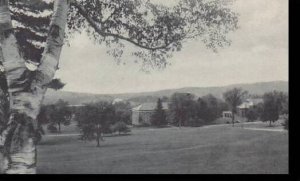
30	56
186	110
59	113
252	114
120	127
95	119
234	97
182	109
212	106
159	117
274	104
123	112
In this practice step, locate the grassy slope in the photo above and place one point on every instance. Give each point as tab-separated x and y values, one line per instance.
217	149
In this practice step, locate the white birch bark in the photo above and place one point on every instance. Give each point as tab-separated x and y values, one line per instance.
26	96
14	69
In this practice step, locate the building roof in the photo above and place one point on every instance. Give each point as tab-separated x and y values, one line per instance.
149	106
76	105
256	100
250	102
116	100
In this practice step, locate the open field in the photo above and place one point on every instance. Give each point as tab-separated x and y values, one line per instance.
211	149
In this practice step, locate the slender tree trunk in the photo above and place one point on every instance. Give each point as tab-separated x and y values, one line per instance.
26	95
98	135
98	140
232	119
180	119
59	127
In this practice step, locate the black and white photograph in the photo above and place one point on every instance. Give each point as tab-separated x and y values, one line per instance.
144	87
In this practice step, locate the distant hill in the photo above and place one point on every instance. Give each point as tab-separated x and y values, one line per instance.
74	98
78	98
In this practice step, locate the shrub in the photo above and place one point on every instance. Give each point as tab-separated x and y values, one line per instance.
196	122
285	124
120	127
52	128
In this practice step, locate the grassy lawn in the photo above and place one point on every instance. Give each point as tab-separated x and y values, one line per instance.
216	149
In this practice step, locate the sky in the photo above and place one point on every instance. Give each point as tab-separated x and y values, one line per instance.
258	53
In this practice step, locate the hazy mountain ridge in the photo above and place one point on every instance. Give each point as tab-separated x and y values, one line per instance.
79	98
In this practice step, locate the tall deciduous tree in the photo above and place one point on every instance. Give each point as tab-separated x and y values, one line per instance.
210	108
273	105
159	116
233	98
155	30
93	119
182	108
60	114
123	112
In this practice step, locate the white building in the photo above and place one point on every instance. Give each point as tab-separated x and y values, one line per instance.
141	115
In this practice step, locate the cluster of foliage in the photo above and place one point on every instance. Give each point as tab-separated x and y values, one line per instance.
286	121
185	110
156	30
55	115
254	112
234	97
119	127
95	119
122	112
275	104
159	117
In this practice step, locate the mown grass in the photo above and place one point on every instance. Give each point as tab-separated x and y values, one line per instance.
217	149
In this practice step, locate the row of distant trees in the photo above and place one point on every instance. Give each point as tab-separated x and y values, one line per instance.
93	119
55	115
274	104
186	110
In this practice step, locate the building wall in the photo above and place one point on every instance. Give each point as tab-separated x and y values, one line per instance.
141	117
242	112
145	117
135	118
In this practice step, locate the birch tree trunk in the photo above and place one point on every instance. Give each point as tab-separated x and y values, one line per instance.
27	92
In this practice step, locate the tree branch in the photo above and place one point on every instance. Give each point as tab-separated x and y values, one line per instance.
83	12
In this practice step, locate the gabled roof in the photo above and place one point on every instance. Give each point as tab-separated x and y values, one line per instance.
149	106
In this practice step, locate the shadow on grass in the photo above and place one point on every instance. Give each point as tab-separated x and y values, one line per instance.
54	141
117	135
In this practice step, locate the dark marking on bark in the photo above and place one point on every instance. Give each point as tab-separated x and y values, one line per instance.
54	37
20	128
54	31
7	32
23	82
8	141
39	80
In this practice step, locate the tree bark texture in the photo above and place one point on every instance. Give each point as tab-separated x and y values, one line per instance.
26	89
